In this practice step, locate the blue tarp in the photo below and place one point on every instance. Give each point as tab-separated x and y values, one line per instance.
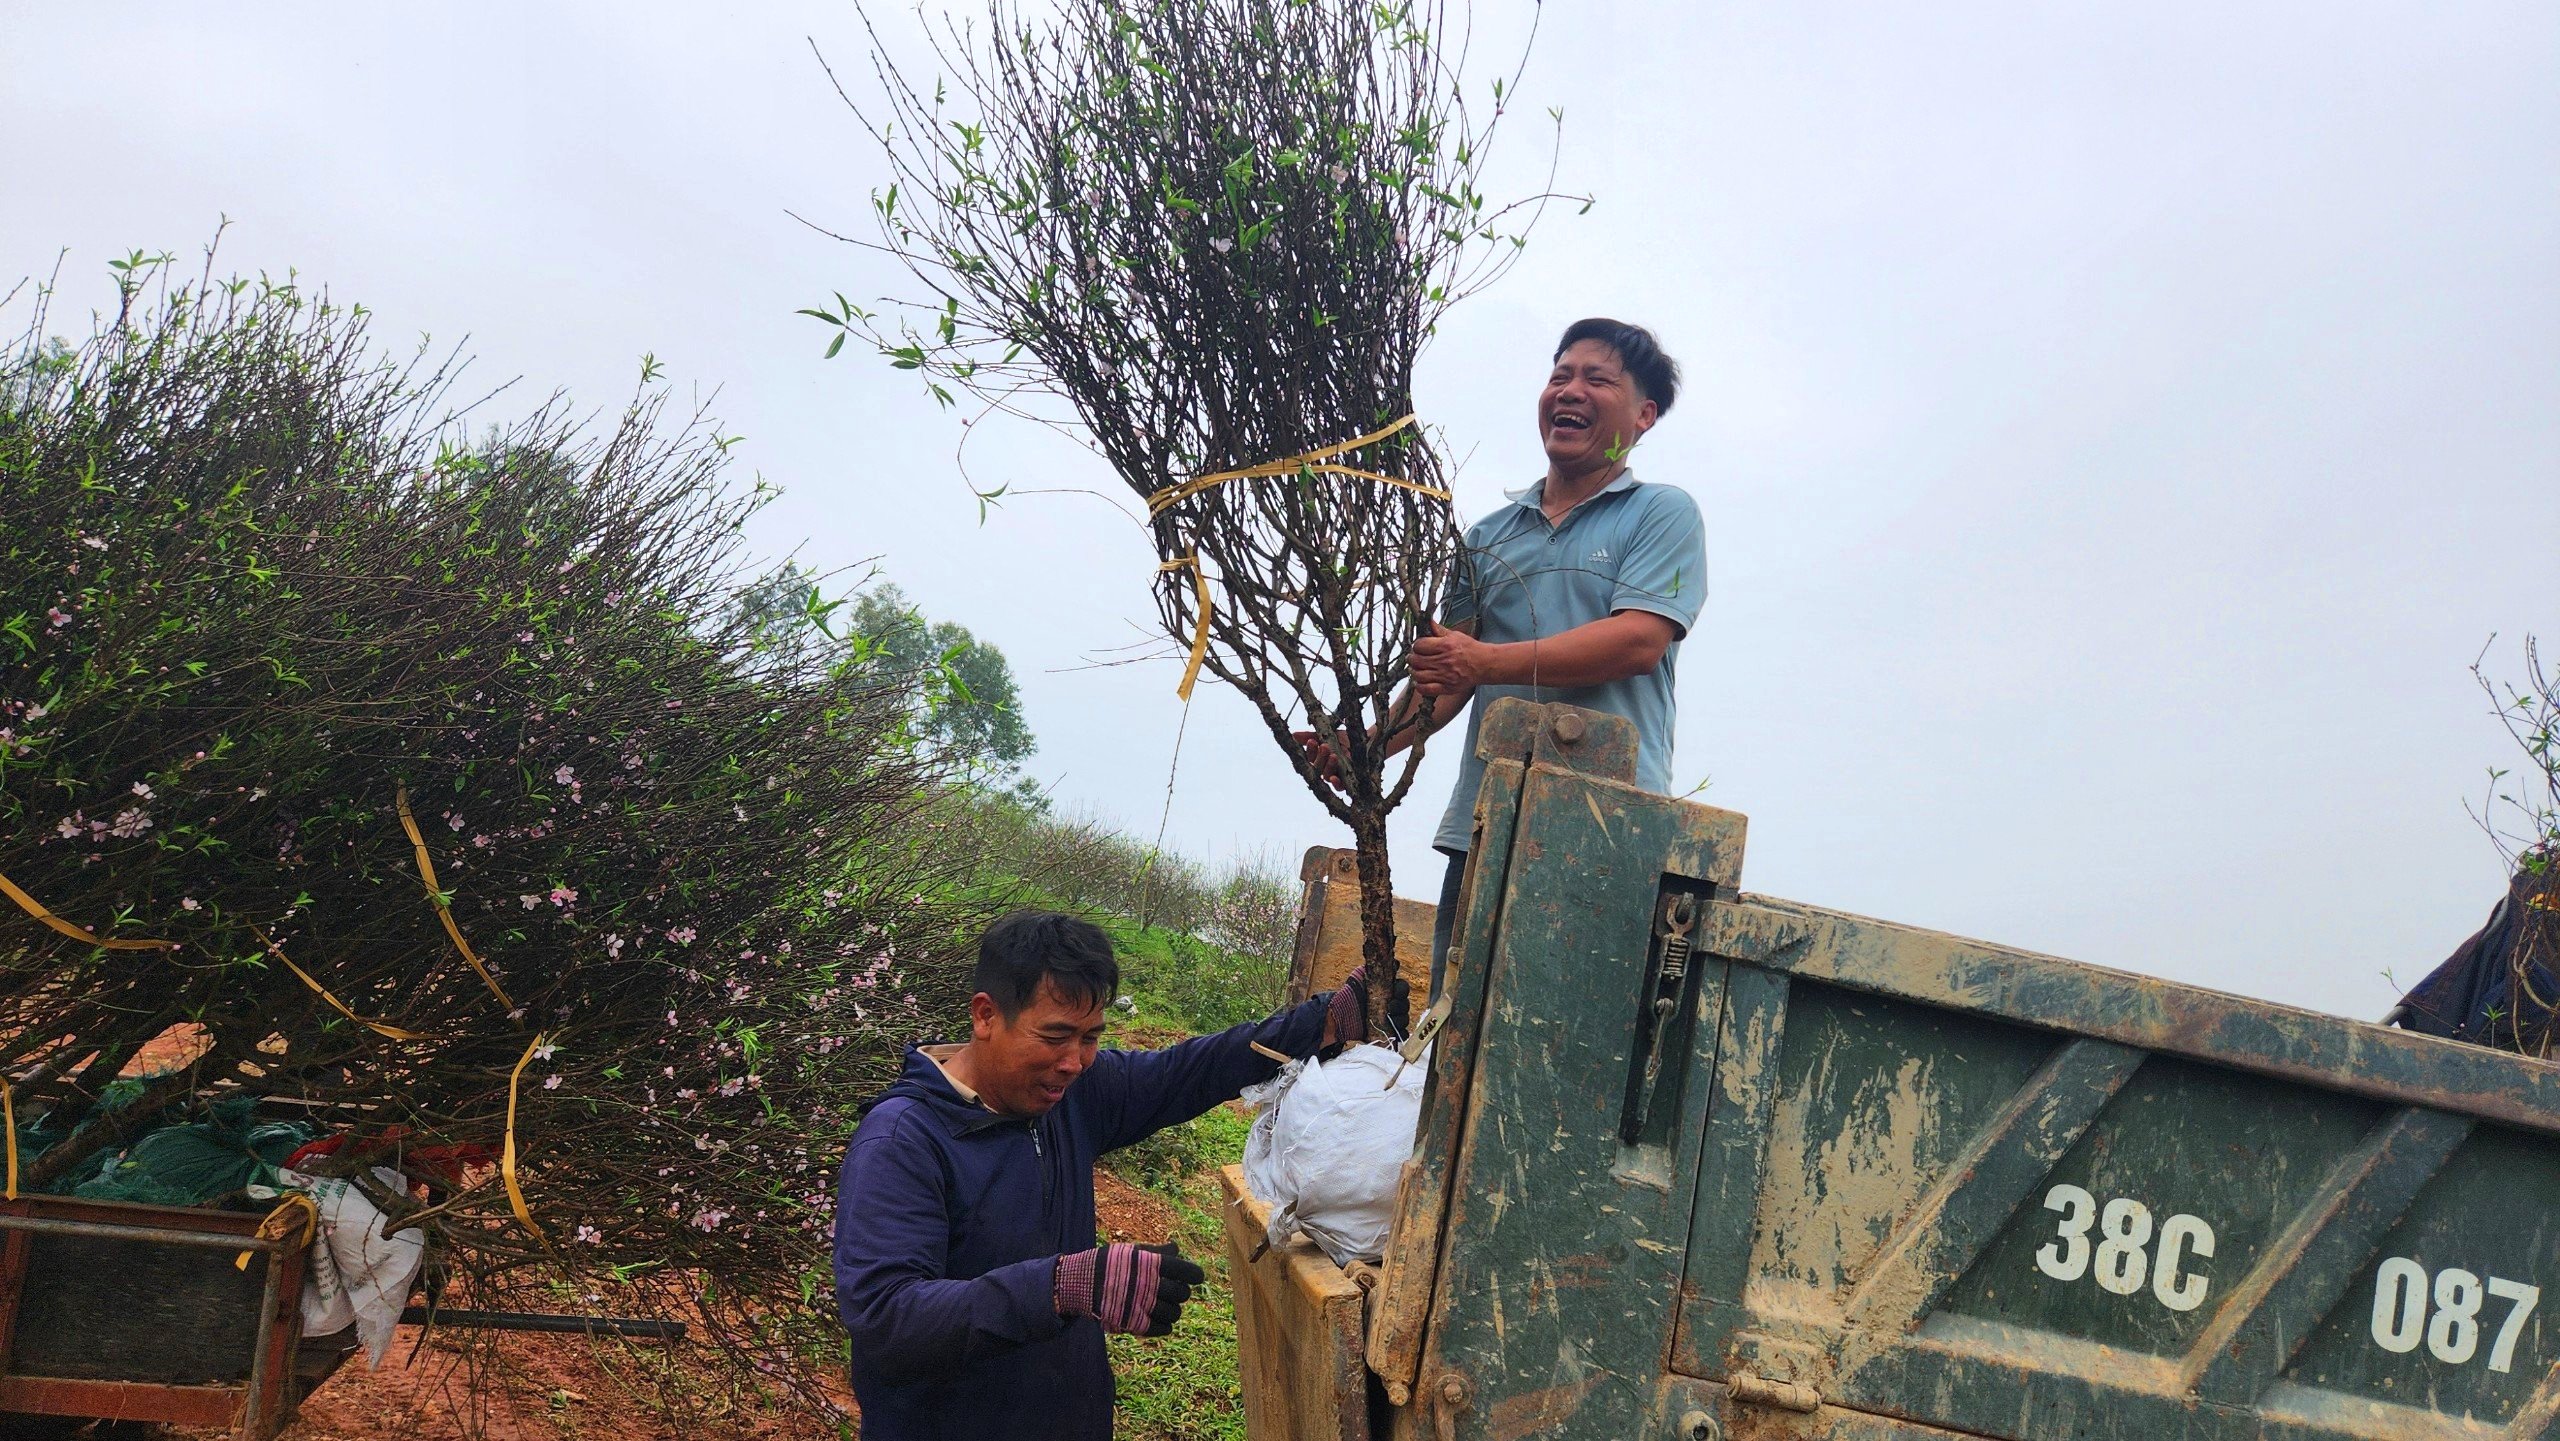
2499	988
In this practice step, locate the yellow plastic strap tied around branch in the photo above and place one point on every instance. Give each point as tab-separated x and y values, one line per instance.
28	904
1320	461
507	1156
1315	460
295	1210
377	1027
1199	632
435	895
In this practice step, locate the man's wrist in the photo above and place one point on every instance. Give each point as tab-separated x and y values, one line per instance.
1071	1294
1504	663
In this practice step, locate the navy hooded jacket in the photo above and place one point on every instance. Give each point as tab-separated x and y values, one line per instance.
950	1219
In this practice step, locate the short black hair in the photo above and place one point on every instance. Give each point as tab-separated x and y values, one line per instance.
1656	374
1027	947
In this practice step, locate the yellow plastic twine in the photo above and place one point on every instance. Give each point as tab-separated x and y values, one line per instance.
295	1209
444	913
1320	461
1200	632
507	1157
28	904
32	907
377	1027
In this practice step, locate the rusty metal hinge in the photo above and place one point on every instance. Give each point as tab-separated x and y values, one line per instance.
1762	1391
1455	1393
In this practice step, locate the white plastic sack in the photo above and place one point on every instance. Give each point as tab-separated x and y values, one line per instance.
1327	1145
357	1275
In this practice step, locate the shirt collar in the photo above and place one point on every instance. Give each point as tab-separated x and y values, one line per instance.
1534	493
941	1056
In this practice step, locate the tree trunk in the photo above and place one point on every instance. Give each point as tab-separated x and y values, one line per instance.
1377	918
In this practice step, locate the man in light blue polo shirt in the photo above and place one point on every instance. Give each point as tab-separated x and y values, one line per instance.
1579	590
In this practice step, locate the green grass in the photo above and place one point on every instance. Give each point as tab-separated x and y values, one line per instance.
1183	1386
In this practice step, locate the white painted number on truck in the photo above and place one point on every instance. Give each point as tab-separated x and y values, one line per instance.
2402	1315
2129	1250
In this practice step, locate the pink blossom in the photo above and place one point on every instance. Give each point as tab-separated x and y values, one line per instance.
188	903
57	616
94	542
563	896
564	775
681	935
545	1051
589	1235
530	901
709	1220
524	637
551	1083
129	824
453	820
70	826
142	790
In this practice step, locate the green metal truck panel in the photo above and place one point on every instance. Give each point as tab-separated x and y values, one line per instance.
1695	1164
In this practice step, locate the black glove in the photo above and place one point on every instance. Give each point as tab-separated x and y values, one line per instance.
1347	1014
1135	1290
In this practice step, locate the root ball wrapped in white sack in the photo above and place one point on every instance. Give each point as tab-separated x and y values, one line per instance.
1328	1141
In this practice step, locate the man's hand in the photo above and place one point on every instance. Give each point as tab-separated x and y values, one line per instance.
1134	1290
1326	760
1450	662
1346	1016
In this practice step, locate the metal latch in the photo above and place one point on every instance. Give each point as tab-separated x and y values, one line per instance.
1662	1031
1762	1391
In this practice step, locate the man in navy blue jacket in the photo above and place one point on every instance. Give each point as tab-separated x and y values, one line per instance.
966	1269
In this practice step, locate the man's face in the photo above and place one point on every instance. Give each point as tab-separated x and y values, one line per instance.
1591	413
1023	1066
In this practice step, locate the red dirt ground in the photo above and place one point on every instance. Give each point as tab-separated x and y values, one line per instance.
567	1388
554	1388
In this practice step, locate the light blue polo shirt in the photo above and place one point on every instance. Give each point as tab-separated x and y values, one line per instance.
1631	547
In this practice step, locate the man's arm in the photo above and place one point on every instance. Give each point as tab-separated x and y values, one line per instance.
1134	1094
1628	643
906	1318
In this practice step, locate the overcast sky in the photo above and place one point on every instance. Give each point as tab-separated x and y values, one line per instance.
2118	427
